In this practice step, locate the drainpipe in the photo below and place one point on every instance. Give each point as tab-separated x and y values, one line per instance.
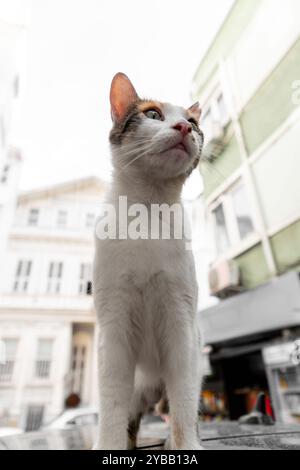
259	214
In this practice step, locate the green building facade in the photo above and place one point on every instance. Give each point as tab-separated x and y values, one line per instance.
248	84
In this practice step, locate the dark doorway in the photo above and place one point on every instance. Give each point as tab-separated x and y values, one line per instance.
244	377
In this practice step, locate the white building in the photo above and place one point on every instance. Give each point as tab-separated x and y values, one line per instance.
11	39
47	320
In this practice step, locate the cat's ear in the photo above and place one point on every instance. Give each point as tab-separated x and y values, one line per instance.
122	96
195	111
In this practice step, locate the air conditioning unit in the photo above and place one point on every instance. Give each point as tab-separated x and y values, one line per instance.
224	279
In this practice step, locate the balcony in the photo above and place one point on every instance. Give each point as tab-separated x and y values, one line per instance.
42	369
49	233
6	371
66	306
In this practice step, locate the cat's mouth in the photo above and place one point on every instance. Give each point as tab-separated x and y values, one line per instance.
180	146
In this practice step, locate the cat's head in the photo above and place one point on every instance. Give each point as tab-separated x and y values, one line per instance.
158	139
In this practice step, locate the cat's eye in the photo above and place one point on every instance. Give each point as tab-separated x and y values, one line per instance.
153	114
194	124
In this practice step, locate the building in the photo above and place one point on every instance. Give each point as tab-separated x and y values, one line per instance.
248	84
47	319
201	246
11	35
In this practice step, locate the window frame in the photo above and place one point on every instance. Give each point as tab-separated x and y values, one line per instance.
9	364
22	276
235	187
54	277
237	244
31	220
220	203
85	276
43	361
5	173
62	215
90	220
35	412
212	107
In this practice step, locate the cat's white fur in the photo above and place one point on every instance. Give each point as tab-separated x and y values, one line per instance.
145	295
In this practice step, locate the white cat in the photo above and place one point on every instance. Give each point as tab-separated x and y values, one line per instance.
145	291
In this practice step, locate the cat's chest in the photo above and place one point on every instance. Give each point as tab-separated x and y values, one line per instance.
144	258
153	256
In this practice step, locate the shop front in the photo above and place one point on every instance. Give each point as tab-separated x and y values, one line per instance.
241	333
282	363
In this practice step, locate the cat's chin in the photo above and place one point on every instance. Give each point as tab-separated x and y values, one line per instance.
176	153
173	162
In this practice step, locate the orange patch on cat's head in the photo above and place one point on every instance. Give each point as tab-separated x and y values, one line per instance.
145	105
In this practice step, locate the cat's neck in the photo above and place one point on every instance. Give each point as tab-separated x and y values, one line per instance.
139	188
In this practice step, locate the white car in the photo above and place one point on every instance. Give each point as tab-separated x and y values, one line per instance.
74	417
10	431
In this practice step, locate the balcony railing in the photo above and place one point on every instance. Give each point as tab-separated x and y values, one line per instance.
42	369
6	371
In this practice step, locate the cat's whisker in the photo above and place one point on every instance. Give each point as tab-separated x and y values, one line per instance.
129	149
134	160
146	151
133	150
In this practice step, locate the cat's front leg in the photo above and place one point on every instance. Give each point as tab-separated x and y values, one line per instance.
116	377
183	388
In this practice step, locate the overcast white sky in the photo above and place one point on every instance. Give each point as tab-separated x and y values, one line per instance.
75	47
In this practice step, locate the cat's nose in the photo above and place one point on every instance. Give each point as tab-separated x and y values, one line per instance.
184	127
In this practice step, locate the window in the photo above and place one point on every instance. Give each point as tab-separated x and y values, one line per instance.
242	213
62	218
34	419
5	172
16	86
221	235
216	116
232	220
44	356
90	220
85	276
33	217
79	354
22	276
222	110
7	365
54	277
207	125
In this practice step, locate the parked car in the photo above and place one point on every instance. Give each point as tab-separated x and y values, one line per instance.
8	431
74	417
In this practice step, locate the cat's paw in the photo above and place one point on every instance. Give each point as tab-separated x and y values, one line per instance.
167	444
131	443
195	445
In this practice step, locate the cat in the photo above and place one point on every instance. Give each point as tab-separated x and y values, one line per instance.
145	291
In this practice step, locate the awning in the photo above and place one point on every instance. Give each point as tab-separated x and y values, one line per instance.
272	306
